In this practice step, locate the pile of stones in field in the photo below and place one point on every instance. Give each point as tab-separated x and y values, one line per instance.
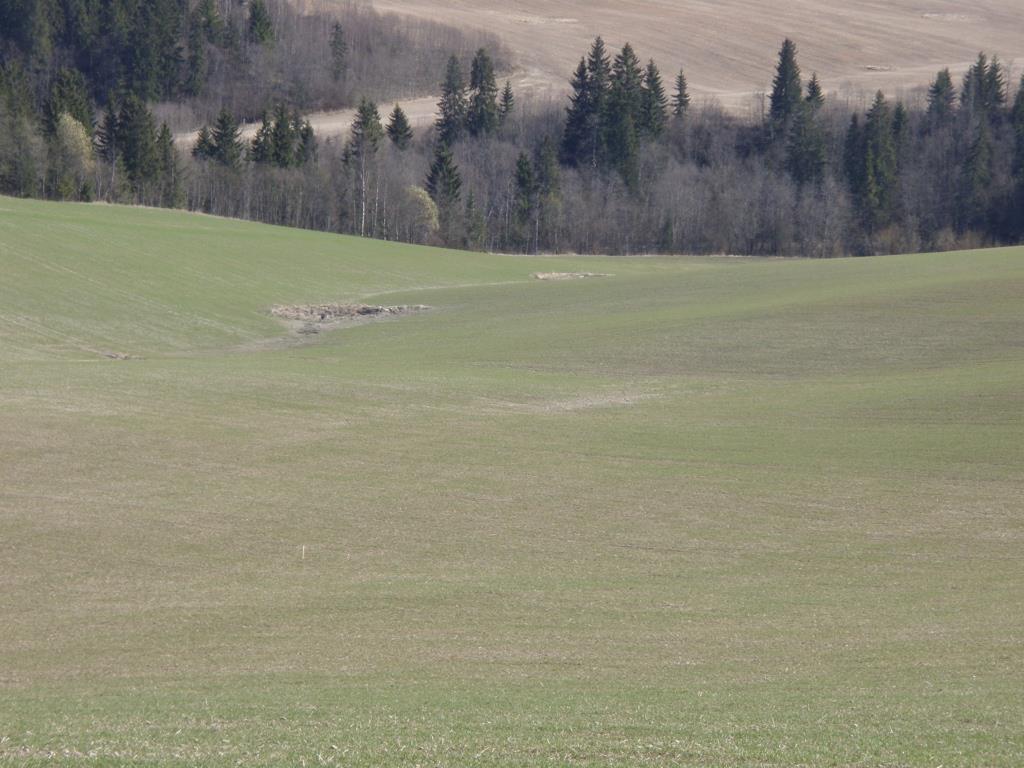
567	275
312	316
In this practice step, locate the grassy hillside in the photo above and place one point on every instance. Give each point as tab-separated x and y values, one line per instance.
702	512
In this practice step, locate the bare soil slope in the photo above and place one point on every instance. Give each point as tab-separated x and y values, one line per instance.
728	46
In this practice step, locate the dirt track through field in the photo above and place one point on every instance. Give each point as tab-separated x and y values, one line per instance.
727	47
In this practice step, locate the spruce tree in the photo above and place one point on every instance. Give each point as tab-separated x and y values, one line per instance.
482	115
203	148
995	86
367	131
283	137
168	169
452	107
206	18
262	148
399	130
507	104
69	94
305	150
577	124
623	115
622	144
984	88
787	90
261	27
681	98
598	86
941	99
1017	125
225	141
476	226
444	185
627	82
548	176
195	80
137	139
815	94
444	182
975	179
339	52
881	165
900	129
653	103
525	198
154	53
853	157
805	148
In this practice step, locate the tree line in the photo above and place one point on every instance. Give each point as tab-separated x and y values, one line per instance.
634	166
629	165
188	59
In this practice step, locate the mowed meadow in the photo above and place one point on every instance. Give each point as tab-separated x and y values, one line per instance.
716	511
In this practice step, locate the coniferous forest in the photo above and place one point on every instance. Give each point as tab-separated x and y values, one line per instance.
630	164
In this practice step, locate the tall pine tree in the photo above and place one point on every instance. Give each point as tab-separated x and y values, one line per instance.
69	94
524	200
623	115
399	130
941	100
483	113
261	26
879	174
284	137
225	141
1017	125
203	148
973	195
681	97
653	103
453	107
172	193
507	104
339	52
137	140
549	190
787	90
444	185
598	92
815	94
578	116
262	148
198	66
805	148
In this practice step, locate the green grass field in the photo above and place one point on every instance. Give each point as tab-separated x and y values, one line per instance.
714	512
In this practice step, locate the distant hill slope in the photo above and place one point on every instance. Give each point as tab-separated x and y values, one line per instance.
728	47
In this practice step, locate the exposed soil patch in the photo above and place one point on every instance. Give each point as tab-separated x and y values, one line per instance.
572	404
567	275
309	319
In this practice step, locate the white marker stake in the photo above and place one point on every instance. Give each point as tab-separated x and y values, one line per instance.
303	551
